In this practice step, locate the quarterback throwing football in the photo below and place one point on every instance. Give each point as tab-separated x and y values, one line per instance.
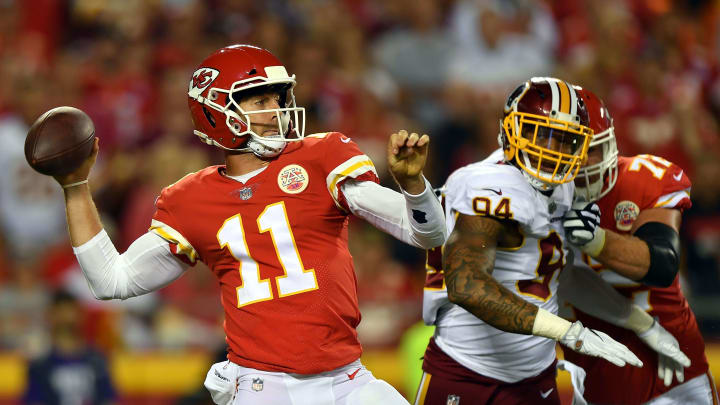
272	225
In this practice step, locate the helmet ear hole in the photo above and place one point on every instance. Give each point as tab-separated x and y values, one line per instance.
209	117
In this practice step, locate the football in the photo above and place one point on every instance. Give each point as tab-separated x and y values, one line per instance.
59	141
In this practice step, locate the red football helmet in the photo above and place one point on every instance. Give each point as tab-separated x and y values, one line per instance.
216	88
545	131
599	178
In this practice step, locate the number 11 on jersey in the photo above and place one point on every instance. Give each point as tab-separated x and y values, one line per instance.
296	280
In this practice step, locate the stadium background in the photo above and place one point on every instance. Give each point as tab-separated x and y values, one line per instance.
365	68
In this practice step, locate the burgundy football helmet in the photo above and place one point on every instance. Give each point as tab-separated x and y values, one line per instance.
545	131
215	91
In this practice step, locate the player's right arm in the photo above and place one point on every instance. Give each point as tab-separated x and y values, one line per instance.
468	261
650	255
82	215
148	263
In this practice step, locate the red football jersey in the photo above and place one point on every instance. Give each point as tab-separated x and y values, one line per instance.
278	246
644	182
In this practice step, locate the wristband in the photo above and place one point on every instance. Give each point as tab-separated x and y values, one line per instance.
549	325
639	321
596	245
64	186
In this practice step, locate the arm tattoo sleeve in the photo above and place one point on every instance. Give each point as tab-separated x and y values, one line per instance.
468	261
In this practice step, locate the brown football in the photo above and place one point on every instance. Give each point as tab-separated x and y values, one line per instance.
59	141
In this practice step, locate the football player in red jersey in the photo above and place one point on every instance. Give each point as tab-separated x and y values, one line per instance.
272	225
634	246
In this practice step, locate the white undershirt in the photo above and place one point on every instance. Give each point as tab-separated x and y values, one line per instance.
243	178
148	264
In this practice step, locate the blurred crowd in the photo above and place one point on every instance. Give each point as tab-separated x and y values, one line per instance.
365	68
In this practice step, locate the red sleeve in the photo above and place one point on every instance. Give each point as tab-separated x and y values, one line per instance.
162	211
344	160
674	190
653	182
164	224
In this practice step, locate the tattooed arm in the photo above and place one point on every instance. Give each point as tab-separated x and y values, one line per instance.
468	261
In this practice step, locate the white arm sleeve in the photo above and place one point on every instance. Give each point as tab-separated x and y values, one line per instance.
587	291
146	266
417	220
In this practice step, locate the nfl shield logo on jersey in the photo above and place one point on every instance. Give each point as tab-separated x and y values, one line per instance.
245	193
257	384
552	207
453	400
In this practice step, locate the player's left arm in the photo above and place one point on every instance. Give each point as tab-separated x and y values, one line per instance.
651	254
417	220
407	154
468	263
413	216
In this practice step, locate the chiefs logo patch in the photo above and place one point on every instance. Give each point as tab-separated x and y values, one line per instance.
626	212
293	179
201	79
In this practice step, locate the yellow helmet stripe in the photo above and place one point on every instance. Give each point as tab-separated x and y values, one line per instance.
564	97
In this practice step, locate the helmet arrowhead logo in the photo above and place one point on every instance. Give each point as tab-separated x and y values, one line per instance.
201	79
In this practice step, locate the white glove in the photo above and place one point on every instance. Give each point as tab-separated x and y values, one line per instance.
671	358
598	344
582	227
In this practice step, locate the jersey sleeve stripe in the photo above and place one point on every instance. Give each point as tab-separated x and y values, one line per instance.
673	199
352	167
174	237
318	135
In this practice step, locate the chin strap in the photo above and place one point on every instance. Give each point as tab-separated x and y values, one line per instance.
536	183
265	148
260	147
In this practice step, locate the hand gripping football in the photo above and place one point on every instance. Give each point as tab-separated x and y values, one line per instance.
59	141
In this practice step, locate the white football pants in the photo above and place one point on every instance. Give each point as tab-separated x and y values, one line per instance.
352	384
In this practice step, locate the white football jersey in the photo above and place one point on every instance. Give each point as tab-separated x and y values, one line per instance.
494	188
